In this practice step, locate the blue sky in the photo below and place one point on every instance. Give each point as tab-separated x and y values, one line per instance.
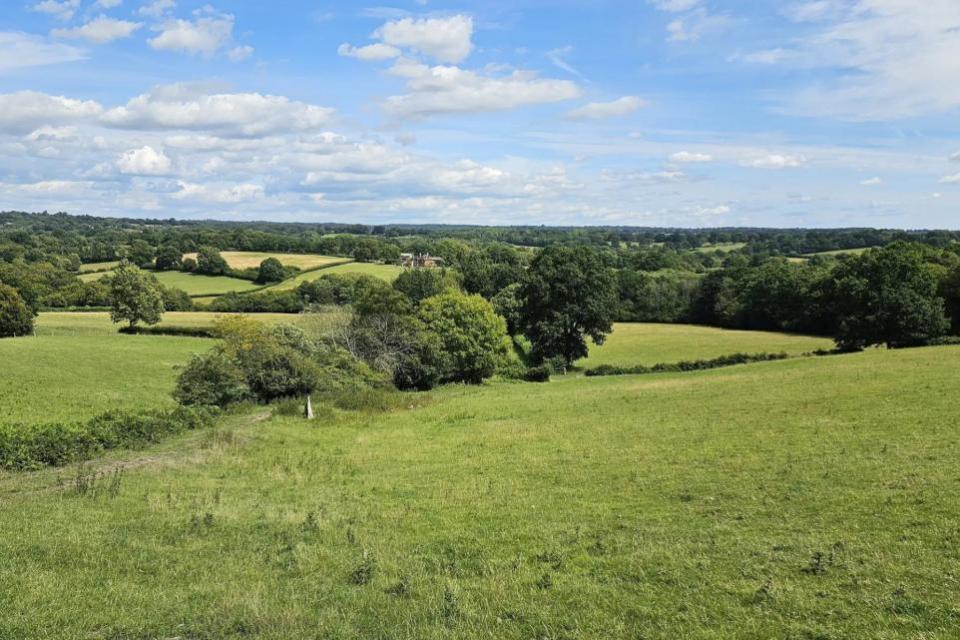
650	113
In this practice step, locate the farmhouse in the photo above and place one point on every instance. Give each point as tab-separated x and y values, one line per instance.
420	260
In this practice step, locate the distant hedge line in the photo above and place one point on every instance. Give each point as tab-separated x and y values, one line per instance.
194	332
688	365
31	446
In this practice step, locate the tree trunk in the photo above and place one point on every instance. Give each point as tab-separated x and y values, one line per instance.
308	414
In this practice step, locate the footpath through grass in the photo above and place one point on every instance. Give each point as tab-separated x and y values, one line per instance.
810	498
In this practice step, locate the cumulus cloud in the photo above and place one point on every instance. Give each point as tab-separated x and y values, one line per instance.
371	52
697	24
157	8
24	111
204	35
444	39
601	110
239	54
775	161
189	107
870	182
146	161
445	89
107	4
21	50
59	9
223	194
675	6
684	157
100	30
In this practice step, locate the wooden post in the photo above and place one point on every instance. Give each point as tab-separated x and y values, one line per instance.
309	411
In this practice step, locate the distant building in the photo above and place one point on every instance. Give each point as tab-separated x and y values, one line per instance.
420	261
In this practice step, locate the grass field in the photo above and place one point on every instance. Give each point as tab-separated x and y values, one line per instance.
252	259
386	272
91	267
809	498
840	252
725	247
194	284
649	344
98	323
72	376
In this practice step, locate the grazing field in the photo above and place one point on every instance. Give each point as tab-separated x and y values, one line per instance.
386	272
841	252
92	267
808	498
98	323
649	344
252	259
724	247
75	375
200	285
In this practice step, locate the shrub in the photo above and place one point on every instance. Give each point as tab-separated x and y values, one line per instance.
210	262
687	365
59	443
211	379
262	302
271	270
190	332
188	265
16	318
175	299
537	374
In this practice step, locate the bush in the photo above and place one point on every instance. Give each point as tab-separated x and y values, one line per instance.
58	443
190	332
537	374
263	302
271	270
210	262
16	318
211	379
687	365
175	299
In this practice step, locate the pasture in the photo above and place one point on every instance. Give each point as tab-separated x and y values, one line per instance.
201	285
649	344
73	375
252	259
387	272
807	498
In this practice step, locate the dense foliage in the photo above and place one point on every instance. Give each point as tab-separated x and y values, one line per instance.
16	318
135	296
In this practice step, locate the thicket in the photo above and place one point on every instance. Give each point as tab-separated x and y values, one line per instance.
686	365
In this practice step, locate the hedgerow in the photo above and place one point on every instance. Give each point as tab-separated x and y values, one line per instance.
31	446
687	365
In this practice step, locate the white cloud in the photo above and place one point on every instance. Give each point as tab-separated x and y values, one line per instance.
697	24
443	89
687	157
765	56
954	179
711	211
955	157
238	54
556	56
59	9
444	39
892	57
21	50
107	4
157	8
376	51
146	161
675	6
870	182
775	161
24	111
189	107
615	109
204	35
223	194
100	30
52	187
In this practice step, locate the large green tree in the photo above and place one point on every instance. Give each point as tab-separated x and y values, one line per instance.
16	318
211	263
887	296
169	258
135	296
568	296
271	270
472	338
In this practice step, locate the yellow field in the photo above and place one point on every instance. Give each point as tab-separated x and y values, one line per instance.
252	259
387	272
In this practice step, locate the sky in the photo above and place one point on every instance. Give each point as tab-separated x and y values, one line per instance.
685	113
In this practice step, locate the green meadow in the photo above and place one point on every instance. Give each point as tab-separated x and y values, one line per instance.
808	498
386	272
252	259
194	284
649	344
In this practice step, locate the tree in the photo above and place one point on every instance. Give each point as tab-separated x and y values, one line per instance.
568	295
16	318
887	296
188	265
169	258
472	337
211	263
420	284
211	379
176	299
271	270
140	253
507	305
135	296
